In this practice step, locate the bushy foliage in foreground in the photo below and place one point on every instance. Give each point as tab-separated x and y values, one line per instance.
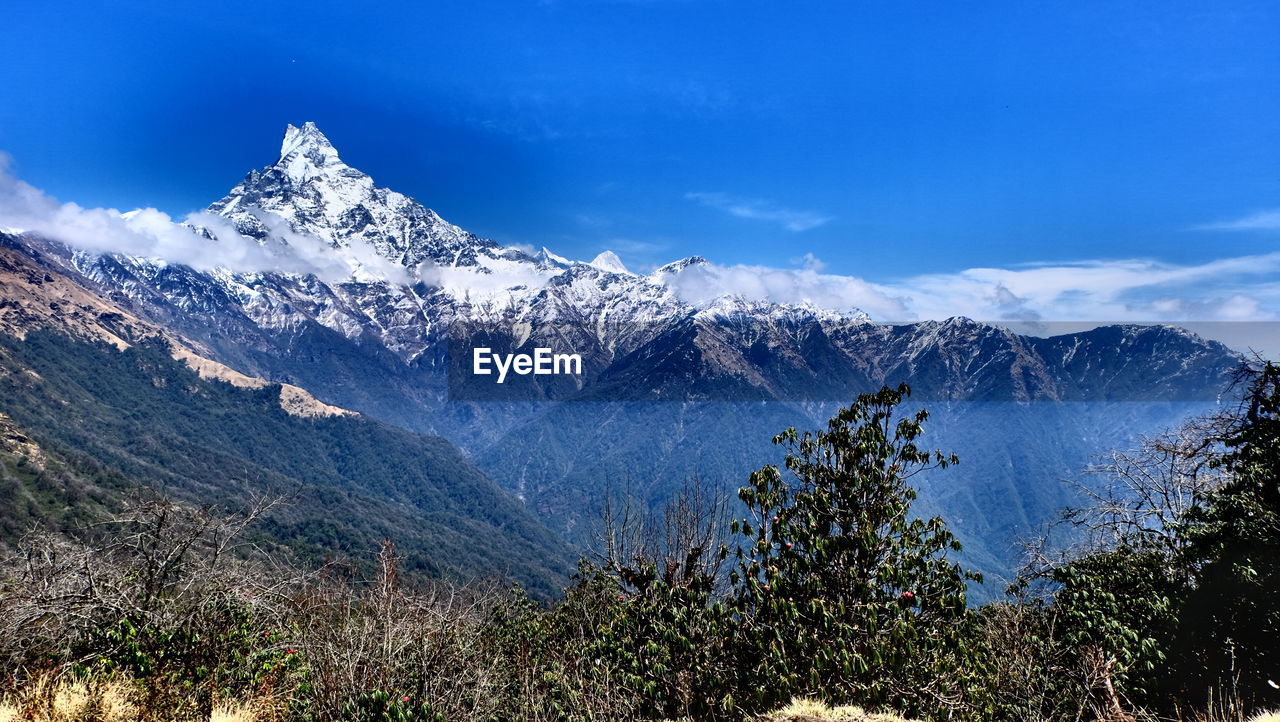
840	591
1175	603
828	588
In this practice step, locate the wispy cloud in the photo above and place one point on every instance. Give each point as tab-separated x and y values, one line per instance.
1243	288
592	221
702	283
809	262
1234	288
759	210
1268	220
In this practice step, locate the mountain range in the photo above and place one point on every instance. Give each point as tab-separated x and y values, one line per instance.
368	300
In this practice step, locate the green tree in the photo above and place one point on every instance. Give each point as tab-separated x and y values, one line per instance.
840	591
1231	620
1116	609
1179	602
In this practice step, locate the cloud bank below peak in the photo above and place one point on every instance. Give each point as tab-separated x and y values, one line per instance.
150	233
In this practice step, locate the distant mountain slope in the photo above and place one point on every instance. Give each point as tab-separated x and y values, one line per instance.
101	412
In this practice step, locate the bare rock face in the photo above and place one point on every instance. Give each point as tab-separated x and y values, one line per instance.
36	297
14	441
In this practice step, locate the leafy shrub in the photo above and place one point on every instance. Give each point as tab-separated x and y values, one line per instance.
840	592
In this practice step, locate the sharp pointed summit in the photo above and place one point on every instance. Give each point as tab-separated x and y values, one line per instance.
311	191
308	138
306	153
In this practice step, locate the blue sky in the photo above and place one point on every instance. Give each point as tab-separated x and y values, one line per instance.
896	142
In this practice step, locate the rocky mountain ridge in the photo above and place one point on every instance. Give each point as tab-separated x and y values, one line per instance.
417	283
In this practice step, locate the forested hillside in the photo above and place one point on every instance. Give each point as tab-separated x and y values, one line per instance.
102	422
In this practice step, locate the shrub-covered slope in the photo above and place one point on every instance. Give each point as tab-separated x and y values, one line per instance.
104	419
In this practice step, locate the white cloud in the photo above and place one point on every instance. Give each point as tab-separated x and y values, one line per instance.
759	210
477	284
1268	220
1230	289
1128	289
809	262
702	283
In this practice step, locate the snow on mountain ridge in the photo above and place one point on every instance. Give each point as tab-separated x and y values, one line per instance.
734	307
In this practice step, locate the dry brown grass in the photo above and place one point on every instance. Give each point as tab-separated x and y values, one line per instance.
52	699
808	710
242	712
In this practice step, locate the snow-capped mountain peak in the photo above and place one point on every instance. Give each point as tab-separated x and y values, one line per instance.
306	151
400	272
308	136
609	261
546	258
310	191
680	265
315	193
